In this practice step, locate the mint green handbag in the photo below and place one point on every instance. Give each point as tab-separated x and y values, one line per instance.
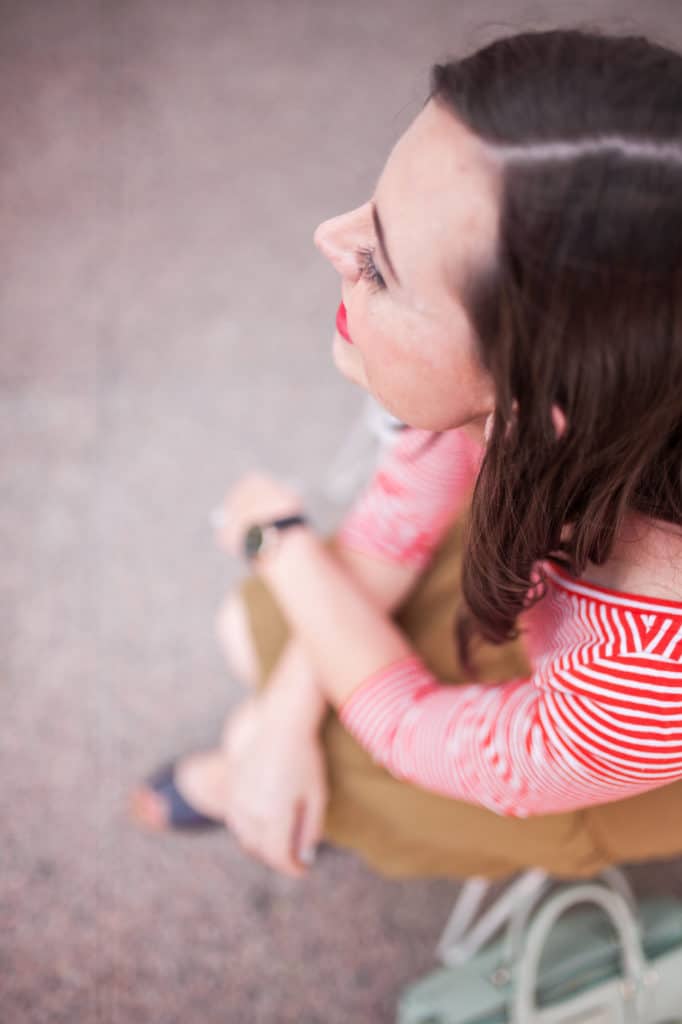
608	962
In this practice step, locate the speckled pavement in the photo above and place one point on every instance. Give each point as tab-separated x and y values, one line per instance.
165	325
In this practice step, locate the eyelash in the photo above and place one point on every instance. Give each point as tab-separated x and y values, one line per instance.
368	268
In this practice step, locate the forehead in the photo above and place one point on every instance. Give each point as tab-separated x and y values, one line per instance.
438	198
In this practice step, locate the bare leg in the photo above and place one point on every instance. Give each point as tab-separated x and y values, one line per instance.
234	637
200	777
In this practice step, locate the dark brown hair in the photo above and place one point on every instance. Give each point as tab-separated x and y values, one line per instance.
582	308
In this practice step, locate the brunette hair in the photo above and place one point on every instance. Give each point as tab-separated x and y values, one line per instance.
581	310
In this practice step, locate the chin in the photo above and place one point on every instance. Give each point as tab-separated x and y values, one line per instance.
429	419
348	362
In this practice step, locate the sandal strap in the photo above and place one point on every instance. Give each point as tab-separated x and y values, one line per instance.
181	815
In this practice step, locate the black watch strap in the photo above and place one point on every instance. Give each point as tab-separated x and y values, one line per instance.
256	536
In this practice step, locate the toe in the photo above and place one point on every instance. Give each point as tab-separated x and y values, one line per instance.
148	808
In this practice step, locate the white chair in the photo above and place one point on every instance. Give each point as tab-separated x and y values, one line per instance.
467	931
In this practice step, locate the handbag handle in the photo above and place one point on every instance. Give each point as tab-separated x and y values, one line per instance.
616	909
516	930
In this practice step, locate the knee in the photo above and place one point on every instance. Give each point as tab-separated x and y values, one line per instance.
233	633
227	614
225	733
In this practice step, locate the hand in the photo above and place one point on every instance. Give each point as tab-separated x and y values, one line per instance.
277	785
256	498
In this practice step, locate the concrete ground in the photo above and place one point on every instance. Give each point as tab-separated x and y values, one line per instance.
165	325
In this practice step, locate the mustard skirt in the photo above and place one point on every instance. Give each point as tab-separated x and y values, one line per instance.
402	830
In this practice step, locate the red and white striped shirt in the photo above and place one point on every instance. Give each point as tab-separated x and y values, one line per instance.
599	719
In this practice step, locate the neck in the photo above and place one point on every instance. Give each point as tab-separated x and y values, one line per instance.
646	559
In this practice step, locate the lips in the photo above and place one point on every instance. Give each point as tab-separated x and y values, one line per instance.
342	324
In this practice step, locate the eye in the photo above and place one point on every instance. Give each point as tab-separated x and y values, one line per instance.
368	268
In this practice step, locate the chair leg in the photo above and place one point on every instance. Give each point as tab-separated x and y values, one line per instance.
462	915
464	936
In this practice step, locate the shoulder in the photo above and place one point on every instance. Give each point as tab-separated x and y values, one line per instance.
646	562
582	622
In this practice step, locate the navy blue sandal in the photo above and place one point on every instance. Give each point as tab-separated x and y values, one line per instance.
181	815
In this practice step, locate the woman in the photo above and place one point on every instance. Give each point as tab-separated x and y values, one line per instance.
513	293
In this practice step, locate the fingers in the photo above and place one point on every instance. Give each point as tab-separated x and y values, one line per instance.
276	788
277	850
290	844
310	828
255	497
220	521
269	842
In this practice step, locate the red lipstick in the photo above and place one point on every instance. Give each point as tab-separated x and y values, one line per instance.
342	323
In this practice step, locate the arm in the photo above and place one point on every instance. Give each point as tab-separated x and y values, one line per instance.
417	492
387	584
528	746
295	689
278	788
388	536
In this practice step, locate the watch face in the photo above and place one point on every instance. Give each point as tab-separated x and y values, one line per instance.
253	541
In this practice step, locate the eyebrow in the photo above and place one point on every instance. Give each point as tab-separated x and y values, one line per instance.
382	242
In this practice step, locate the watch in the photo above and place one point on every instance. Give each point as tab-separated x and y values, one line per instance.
262	536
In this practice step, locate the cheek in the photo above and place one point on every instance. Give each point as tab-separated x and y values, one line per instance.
426	381
399	376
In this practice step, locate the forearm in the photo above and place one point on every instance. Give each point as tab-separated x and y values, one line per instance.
386	583
293	692
294	689
345	635
425	495
519	748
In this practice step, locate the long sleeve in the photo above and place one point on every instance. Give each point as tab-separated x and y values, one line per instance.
599	720
420	486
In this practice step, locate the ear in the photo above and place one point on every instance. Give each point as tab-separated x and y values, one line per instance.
559	421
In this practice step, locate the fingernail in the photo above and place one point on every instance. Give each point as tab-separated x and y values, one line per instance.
307	856
217	518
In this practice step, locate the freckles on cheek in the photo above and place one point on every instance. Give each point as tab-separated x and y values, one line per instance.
376	348
399	376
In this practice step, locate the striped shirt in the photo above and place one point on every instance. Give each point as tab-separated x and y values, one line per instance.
599	719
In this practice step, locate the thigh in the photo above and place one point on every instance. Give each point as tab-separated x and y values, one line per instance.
403	830
643	827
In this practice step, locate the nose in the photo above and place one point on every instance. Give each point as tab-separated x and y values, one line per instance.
339	239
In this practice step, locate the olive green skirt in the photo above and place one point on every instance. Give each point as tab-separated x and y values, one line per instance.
402	830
